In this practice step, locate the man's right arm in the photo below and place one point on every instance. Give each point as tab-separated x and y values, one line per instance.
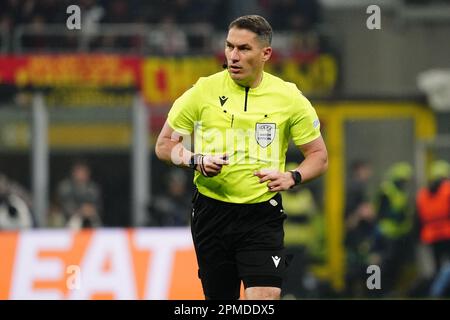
169	147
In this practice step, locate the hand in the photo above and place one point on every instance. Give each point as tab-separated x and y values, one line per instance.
87	210
211	166
278	181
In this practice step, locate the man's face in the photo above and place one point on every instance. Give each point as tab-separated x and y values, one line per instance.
246	56
81	174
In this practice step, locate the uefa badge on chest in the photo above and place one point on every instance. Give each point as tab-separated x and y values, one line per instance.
265	133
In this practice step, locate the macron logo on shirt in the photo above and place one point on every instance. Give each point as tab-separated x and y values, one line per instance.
276	260
223	99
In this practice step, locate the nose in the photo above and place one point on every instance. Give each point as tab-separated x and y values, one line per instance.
234	55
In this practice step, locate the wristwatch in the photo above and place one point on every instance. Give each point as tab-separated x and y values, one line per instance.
195	160
296	176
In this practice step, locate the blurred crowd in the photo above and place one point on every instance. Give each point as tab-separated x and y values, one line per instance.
176	26
387	228
283	15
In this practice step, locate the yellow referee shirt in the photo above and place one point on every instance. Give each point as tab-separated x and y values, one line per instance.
252	125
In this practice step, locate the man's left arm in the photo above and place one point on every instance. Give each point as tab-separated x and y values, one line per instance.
316	159
314	165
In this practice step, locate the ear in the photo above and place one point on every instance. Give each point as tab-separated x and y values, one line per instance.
266	54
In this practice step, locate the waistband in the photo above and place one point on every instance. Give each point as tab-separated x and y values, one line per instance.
198	195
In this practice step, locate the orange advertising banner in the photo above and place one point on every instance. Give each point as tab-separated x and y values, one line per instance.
71	70
147	263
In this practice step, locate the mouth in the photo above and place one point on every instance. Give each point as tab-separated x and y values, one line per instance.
234	68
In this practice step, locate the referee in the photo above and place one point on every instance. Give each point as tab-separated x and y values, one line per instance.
241	120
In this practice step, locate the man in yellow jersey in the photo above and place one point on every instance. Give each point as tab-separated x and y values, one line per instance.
241	120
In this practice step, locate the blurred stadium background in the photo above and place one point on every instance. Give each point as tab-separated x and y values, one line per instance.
93	213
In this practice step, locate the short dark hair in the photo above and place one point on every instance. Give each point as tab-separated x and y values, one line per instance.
80	162
256	24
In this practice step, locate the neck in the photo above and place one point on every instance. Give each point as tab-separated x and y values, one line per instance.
257	81
252	83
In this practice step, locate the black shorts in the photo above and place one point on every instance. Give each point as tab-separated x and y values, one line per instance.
235	242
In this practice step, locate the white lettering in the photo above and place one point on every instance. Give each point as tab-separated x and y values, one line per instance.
374	20
73	280
29	267
107	247
374	281
160	270
74	20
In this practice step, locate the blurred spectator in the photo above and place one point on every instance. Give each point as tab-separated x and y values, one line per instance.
20	191
55	217
393	243
92	13
295	15
357	193
172	207
6	22
193	11
118	11
168	38
53	11
79	198
359	228
24	10
238	8
433	206
14	212
37	41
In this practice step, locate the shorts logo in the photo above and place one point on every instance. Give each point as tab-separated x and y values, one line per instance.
276	260
265	133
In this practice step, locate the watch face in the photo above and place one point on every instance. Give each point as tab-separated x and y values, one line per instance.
296	176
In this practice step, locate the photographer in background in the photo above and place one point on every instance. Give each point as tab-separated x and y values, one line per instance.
14	212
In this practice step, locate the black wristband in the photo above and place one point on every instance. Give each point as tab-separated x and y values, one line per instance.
195	160
297	177
202	167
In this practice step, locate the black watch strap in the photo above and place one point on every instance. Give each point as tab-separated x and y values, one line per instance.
195	160
296	176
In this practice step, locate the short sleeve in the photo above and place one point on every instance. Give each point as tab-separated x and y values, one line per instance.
304	124
183	114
